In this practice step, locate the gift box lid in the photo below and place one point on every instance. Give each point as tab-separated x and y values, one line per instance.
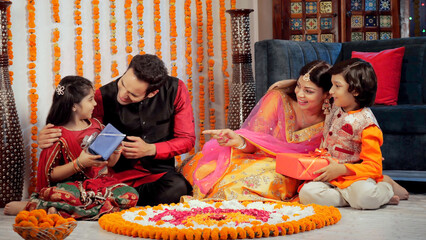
106	142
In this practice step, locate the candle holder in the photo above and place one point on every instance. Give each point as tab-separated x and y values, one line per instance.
242	92
11	143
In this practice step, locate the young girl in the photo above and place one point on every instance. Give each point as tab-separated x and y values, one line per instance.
70	181
353	139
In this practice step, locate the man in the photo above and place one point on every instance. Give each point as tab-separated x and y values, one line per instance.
154	111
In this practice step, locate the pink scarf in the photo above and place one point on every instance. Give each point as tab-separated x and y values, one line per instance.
269	127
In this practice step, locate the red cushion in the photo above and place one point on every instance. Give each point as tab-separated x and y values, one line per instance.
387	65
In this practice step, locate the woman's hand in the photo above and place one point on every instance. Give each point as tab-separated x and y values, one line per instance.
282	84
226	137
88	160
332	171
48	136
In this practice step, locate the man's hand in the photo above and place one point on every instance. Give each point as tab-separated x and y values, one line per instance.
137	148
332	171
48	135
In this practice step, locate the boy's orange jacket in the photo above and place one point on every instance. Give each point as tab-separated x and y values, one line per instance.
371	156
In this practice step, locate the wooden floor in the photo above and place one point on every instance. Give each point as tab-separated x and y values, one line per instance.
404	221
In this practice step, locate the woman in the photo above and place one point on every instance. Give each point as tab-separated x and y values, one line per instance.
241	164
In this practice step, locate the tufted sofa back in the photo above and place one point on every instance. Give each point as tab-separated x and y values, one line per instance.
281	59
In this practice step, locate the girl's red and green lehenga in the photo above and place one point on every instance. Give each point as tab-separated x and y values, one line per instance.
85	195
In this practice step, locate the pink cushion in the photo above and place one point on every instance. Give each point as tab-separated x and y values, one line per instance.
387	65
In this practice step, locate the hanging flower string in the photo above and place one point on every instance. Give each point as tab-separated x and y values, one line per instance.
55	45
157	28
173	47
173	36
188	48
96	44
200	58
233	3
141	31
78	39
113	39
55	11
224	48
129	29
56	56
188	52
210	53
9	44
32	49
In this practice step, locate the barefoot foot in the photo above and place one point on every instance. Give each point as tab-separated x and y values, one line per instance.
398	190
52	210
13	208
394	200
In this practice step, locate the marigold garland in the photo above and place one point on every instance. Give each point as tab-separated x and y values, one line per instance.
9	44
56	56
55	45
78	39
96	44
173	47
200	58
129	29
55	11
233	3
173	36
188	46
32	51
141	30
216	222
157	28
188	52
113	39
210	53
224	48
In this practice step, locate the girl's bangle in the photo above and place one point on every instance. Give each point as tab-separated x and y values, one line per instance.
243	145
76	168
80	165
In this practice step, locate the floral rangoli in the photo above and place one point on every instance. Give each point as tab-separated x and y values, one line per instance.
195	220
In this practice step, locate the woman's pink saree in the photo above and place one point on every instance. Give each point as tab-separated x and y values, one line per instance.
270	127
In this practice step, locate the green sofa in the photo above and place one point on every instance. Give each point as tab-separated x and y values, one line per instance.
404	125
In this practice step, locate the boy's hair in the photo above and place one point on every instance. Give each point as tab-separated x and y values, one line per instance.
71	90
151	69
361	78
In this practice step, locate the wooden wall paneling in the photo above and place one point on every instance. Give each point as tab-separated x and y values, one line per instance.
278	19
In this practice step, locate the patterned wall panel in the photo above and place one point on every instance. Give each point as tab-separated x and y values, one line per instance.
336	20
312	20
371	19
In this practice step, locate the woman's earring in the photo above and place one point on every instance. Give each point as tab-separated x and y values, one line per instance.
326	107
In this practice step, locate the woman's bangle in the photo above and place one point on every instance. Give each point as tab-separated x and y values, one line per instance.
243	145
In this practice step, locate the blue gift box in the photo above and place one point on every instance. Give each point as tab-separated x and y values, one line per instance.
106	142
